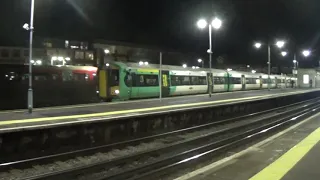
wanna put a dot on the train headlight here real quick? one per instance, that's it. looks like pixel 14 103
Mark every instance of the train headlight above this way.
pixel 117 91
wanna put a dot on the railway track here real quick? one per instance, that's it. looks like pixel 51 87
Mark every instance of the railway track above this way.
pixel 178 148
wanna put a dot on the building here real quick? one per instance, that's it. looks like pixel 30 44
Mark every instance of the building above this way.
pixel 49 52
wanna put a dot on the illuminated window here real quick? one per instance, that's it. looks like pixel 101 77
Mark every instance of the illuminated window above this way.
pixel 305 79
pixel 89 55
pixel 79 55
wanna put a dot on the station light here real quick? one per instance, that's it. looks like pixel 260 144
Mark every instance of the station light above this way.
pixel 257 45
pixel 253 71
pixel 146 63
pixel 199 60
pixel 107 51
pixel 229 69
pixel 141 63
pixel 107 64
pixel 117 91
pixel 216 23
pixel 54 58
pixel 284 53
pixel 306 53
pixel 197 67
pixel 193 67
pixel 184 65
pixel 32 61
pixel 248 66
pixel 67 59
pixel 280 44
pixel 202 23
pixel 294 61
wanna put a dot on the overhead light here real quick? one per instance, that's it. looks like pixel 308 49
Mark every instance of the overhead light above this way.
pixel 248 66
pixel 280 44
pixel 32 61
pixel 39 62
pixel 140 63
pixel 54 58
pixel 107 51
pixel 202 23
pixel 184 65
pixel 229 69
pixel 284 53
pixel 306 53
pixel 146 63
pixel 193 67
pixel 107 64
pixel 199 60
pixel 197 67
pixel 26 26
pixel 253 71
pixel 216 23
pixel 257 45
pixel 67 59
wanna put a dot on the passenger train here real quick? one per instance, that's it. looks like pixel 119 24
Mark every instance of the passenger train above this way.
pixel 124 81
pixel 66 85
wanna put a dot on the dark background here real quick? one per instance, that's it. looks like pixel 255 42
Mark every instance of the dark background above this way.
pixel 171 24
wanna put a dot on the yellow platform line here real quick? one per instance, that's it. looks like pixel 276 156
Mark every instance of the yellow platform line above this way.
pixel 34 120
pixel 281 166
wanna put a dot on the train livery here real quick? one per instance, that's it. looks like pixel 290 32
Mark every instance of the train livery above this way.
pixel 124 81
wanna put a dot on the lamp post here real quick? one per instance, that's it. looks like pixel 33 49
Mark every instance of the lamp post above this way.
pixel 30 28
pixel 216 24
pixel 279 44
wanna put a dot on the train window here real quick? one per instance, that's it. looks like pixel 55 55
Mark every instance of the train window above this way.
pixel 114 77
pixel 196 80
pixel 16 53
pixel 234 80
pixel 252 81
pixel 151 80
pixel 80 77
pixel 202 80
pixel 40 77
pixel 185 80
pixel 4 53
pixel 218 80
pixel 128 80
pixel 175 81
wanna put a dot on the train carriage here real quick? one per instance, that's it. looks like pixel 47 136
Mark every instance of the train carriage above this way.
pixel 220 80
pixel 252 81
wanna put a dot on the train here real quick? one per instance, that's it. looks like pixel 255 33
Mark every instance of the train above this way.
pixel 52 85
pixel 120 81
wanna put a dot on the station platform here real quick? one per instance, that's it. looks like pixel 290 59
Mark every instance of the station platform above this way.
pixel 57 116
pixel 292 154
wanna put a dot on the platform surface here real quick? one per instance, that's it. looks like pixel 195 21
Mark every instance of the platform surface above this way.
pixel 293 154
pixel 10 120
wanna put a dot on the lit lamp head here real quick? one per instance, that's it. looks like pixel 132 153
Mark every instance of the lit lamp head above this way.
pixel 202 23
pixel 257 45
pixel 216 23
pixel 280 44
pixel 306 53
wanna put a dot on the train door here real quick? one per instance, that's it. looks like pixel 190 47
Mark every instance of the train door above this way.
pixel 243 82
pixel 104 92
pixel 108 83
pixel 165 87
pixel 210 82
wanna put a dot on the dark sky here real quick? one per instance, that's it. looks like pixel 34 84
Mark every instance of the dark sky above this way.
pixel 170 24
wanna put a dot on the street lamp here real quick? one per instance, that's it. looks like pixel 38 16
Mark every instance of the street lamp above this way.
pixel 284 53
pixel 279 44
pixel 216 24
pixel 306 53
pixel 184 65
pixel 30 28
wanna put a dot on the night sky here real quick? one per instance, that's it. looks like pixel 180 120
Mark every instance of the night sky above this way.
pixel 171 24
